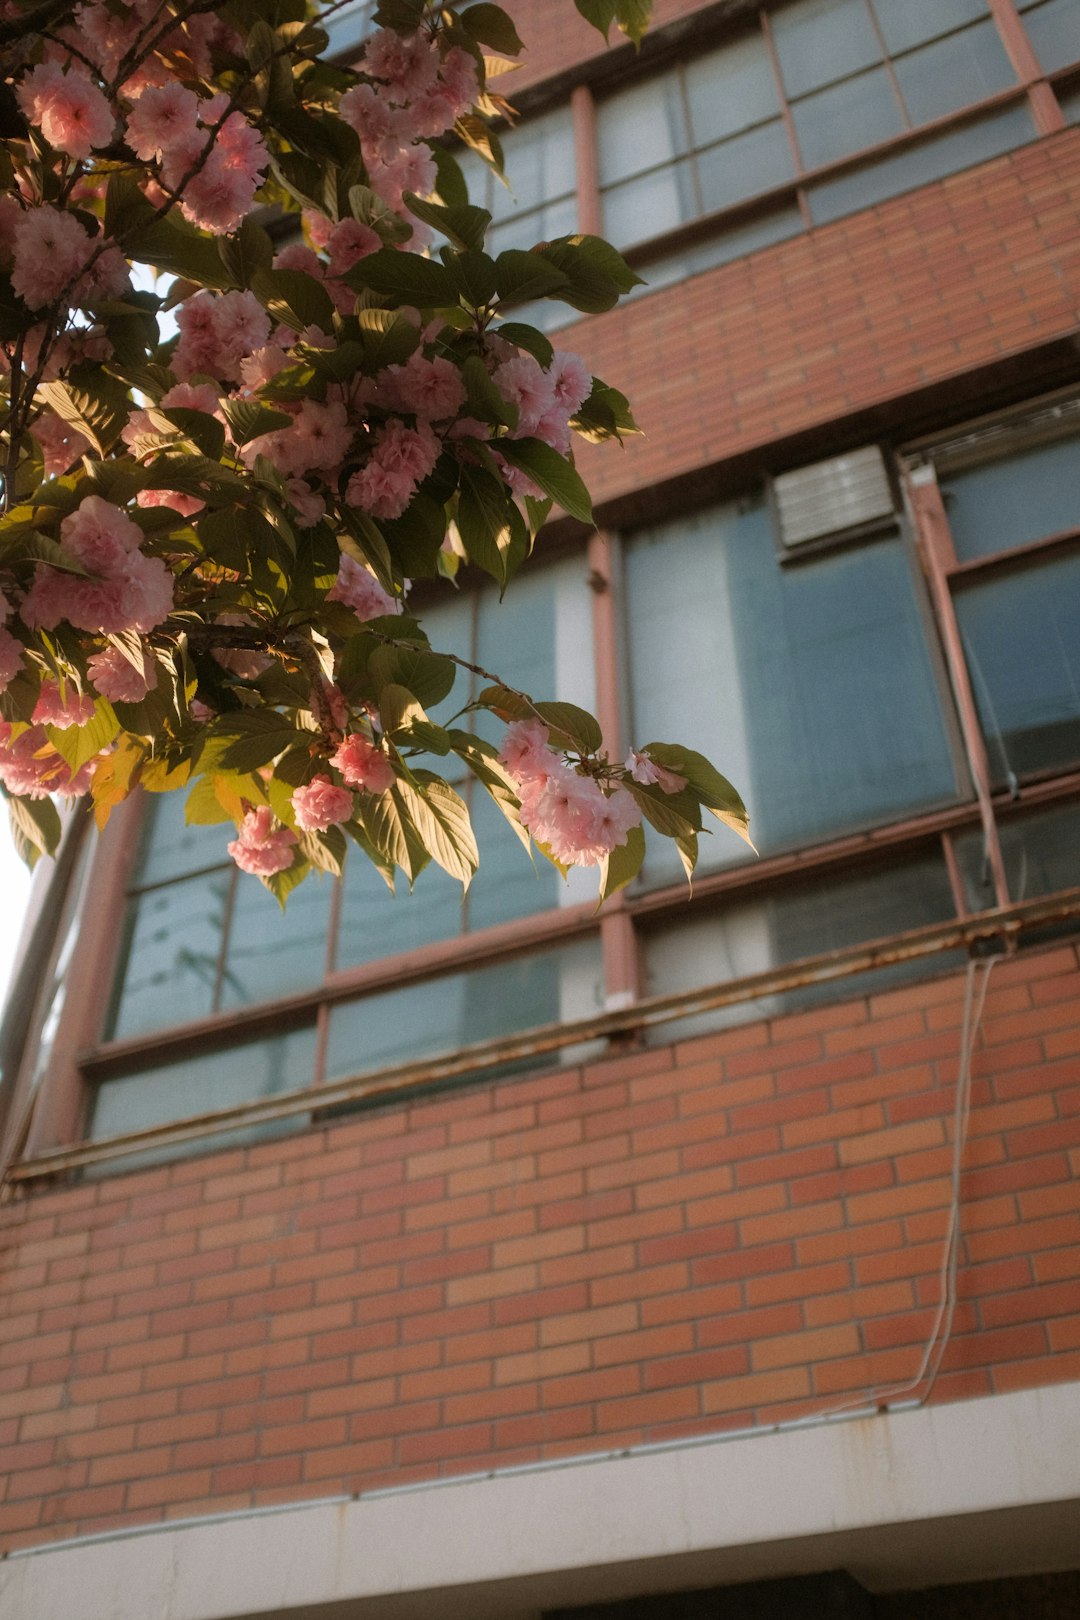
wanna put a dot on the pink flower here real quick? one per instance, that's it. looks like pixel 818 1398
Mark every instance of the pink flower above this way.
pixel 103 37
pixel 307 503
pixel 222 192
pixel 260 848
pixel 164 117
pixel 62 709
pixel 408 63
pixel 361 591
pixel 60 443
pixel 11 658
pixel 218 332
pixel 350 242
pixel 383 130
pixel 410 170
pixel 321 804
pixel 51 249
pixel 363 765
pixel 69 109
pixel 99 535
pixel 32 769
pixel 649 773
pixel 523 382
pixel 174 499
pixel 117 679
pixel 525 751
pixel 428 388
pixel 571 381
pixel 401 459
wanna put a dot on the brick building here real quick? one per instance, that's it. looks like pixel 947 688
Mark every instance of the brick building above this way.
pixel 738 1255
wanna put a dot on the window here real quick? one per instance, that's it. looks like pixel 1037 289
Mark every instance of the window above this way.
pixel 1011 494
pixel 817 683
pixel 813 683
pixel 349 24
pixel 538 201
pixel 775 116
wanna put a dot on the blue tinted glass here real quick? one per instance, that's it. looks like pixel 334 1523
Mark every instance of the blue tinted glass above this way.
pixel 855 113
pixel 199 1085
pixel 913 22
pixel 819 41
pixel 1007 503
pixel 810 686
pixel 459 1009
pixel 273 952
pixel 808 918
pixel 954 72
pixel 1054 30
pixel 169 848
pixel 743 165
pixel 1041 854
pixel 1023 649
pixel 929 160
pixel 169 964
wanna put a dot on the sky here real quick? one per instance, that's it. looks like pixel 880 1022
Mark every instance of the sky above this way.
pixel 14 891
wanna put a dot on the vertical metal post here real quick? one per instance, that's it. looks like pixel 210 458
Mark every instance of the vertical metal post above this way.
pixel 583 112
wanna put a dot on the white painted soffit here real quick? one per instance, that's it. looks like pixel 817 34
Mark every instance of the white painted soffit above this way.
pixel 973 1490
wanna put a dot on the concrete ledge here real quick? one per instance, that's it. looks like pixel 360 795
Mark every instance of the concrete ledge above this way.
pixel 974 1490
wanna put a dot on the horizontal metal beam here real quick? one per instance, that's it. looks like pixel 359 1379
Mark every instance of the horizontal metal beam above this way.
pixel 1003 924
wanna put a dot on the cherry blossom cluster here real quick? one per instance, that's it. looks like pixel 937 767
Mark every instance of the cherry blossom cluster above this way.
pixel 567 812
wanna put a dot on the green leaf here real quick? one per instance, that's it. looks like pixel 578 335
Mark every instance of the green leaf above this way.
pixel 415 539
pixel 404 720
pixel 622 865
pixel 605 414
pixel 35 827
pixel 428 675
pixel 490 525
pixel 483 762
pixel 601 13
pixel 203 430
pixel 676 815
pixel 247 253
pixel 364 542
pixel 489 25
pixel 386 339
pixel 255 737
pixel 688 853
pixel 92 401
pixel 172 245
pixel 527 338
pixel 570 727
pixel 295 298
pixel 551 472
pixel 461 223
pixel 633 18
pixel 473 274
pixel 483 398
pixel 282 884
pixel 450 182
pixel 406 278
pixel 386 822
pixel 714 791
pixel 441 819
pixel 78 744
pixel 596 274
pixel 520 277
pixel 203 808
pixel 248 419
pixel 481 138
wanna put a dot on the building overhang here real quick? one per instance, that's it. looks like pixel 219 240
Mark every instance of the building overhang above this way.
pixel 902 1499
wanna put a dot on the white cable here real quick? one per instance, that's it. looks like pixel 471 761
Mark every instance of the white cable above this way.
pixel 947 1274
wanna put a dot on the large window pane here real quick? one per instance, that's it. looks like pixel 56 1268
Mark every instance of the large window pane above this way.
pixel 1041 852
pixel 168 968
pixel 199 1085
pixel 730 89
pixel 954 72
pixel 810 686
pixel 1054 29
pixel 1009 502
pixel 440 1015
pixel 918 165
pixel 1023 648
pixel 803 919
pixel 819 41
pixel 912 22
pixel 855 113
pixel 169 848
pixel 640 127
pixel 646 207
pixel 273 952
pixel 744 165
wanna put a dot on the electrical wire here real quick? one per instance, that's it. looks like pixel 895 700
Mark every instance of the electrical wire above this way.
pixel 941 1331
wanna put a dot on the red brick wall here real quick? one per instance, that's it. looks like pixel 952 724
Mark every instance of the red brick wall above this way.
pixel 741 1228
pixel 910 293
pixel 557 38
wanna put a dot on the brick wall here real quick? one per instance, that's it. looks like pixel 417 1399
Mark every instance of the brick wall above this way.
pixel 903 296
pixel 741 1228
pixel 557 39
